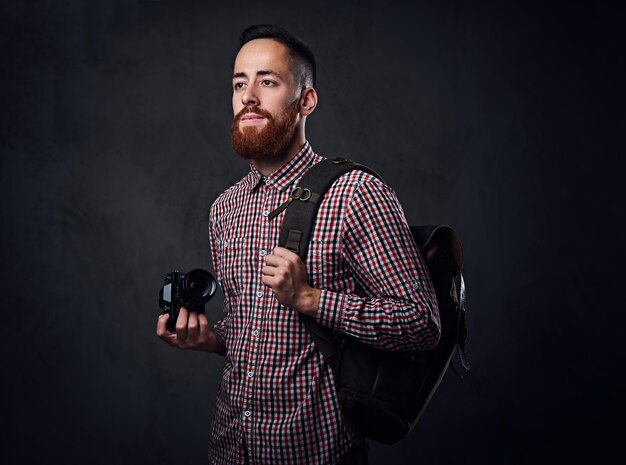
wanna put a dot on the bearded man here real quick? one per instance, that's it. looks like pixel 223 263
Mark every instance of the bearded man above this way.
pixel 277 402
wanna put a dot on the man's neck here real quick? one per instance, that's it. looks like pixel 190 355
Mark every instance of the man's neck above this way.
pixel 267 167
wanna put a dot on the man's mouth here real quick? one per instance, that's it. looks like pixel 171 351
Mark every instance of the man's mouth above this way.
pixel 251 117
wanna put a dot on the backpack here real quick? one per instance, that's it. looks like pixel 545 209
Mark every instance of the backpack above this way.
pixel 383 392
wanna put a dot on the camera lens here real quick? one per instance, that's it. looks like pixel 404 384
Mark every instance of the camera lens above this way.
pixel 199 286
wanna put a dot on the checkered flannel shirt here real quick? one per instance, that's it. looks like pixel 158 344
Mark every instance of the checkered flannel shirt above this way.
pixel 277 398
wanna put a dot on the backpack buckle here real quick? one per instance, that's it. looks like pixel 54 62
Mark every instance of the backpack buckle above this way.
pixel 303 196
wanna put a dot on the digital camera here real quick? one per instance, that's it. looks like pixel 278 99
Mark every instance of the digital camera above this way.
pixel 190 290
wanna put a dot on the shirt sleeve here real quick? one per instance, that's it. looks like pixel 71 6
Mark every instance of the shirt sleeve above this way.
pixel 221 326
pixel 395 307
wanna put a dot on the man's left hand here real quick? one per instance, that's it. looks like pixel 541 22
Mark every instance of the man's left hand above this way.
pixel 286 274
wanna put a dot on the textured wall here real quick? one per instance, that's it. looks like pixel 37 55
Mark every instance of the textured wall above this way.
pixel 498 119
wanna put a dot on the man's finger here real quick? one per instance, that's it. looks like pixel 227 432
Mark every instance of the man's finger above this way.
pixel 162 324
pixel 163 332
pixel 274 260
pixel 171 339
pixel 192 325
pixel 203 323
pixel 283 252
pixel 268 271
pixel 287 257
pixel 181 324
pixel 269 281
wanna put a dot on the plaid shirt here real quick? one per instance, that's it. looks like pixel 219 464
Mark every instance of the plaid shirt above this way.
pixel 278 395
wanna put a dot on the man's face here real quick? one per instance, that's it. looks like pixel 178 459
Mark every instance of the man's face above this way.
pixel 265 100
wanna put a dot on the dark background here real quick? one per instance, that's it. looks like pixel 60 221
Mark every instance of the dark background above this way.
pixel 502 119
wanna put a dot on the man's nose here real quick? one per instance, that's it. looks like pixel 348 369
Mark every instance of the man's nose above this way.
pixel 249 97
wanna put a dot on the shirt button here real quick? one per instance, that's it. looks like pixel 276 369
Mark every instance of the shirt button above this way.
pixel 263 252
pixel 259 294
pixel 225 243
pixel 247 413
pixel 255 333
pixel 250 374
pixel 266 213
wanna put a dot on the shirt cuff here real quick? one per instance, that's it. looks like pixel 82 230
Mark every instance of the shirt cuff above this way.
pixel 221 333
pixel 331 308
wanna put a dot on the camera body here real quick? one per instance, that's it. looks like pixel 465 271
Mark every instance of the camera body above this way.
pixel 190 290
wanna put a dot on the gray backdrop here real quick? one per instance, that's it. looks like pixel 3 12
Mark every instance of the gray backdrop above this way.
pixel 501 119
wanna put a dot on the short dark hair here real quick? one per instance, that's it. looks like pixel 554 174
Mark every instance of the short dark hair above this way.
pixel 298 50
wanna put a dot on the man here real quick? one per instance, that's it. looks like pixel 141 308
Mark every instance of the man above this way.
pixel 277 402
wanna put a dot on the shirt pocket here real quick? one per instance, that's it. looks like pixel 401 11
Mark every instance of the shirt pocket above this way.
pixel 232 263
pixel 318 263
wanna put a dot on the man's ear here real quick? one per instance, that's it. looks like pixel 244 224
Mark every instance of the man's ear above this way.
pixel 308 101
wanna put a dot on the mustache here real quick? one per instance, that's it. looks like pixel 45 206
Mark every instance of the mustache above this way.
pixel 256 110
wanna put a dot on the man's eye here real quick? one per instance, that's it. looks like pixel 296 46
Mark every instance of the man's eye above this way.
pixel 267 82
pixel 238 85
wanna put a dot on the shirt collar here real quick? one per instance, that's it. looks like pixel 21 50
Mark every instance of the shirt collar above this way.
pixel 287 174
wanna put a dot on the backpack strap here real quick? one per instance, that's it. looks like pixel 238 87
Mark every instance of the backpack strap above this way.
pixel 298 222
pixel 300 213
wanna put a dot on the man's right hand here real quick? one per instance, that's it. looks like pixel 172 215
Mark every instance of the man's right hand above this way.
pixel 192 332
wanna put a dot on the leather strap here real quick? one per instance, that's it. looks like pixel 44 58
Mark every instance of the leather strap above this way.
pixel 300 212
pixel 308 195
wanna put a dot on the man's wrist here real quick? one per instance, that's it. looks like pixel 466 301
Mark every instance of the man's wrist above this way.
pixel 310 302
pixel 214 343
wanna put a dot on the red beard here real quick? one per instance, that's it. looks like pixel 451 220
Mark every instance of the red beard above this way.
pixel 269 142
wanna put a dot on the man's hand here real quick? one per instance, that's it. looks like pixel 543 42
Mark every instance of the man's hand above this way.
pixel 192 332
pixel 286 275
